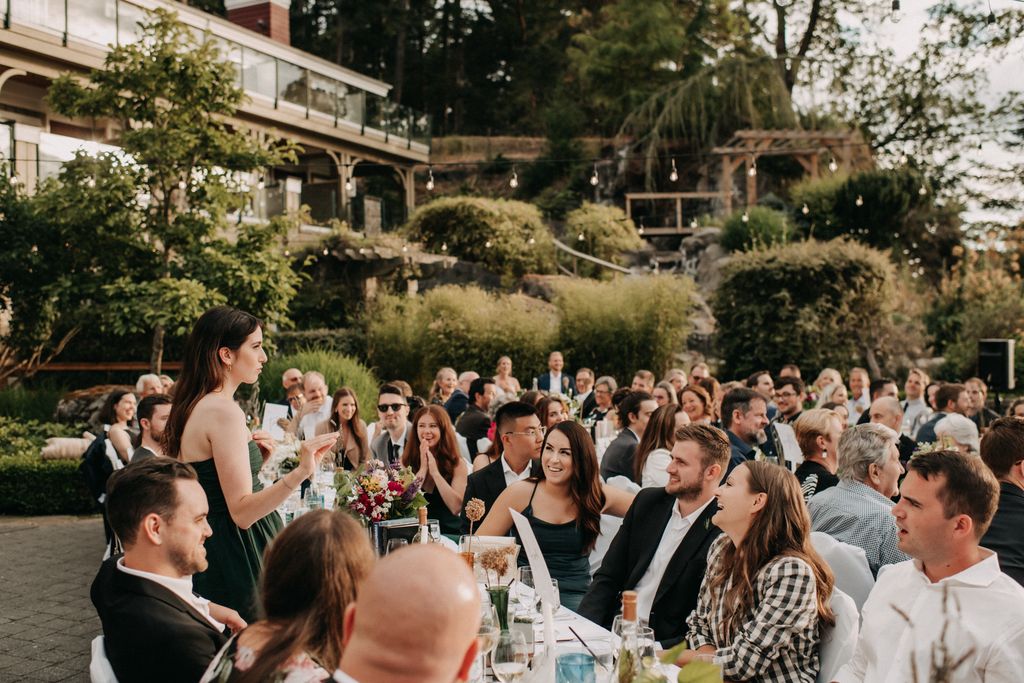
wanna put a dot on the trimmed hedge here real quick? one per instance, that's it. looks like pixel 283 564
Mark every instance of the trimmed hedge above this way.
pixel 818 303
pixel 492 232
pixel 31 486
pixel 606 232
pixel 338 370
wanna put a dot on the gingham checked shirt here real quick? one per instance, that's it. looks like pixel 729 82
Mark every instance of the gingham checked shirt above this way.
pixel 778 640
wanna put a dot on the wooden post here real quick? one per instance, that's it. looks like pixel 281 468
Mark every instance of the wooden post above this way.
pixel 751 181
pixel 679 214
pixel 726 184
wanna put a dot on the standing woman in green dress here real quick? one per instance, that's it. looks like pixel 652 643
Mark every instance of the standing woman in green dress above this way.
pixel 206 429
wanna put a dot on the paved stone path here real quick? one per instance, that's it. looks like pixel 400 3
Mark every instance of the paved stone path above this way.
pixel 46 618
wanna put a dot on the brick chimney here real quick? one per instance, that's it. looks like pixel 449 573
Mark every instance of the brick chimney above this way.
pixel 269 17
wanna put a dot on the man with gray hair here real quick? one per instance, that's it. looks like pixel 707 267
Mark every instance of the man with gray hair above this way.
pixel 858 510
pixel 147 385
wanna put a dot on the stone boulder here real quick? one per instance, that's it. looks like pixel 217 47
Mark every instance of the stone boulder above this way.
pixel 84 405
pixel 702 258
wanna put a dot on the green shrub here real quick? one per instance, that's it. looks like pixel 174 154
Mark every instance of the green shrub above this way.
pixel 818 303
pixel 347 341
pixel 621 326
pixel 494 232
pixel 31 486
pixel 28 436
pixel 606 233
pixel 763 228
pixel 338 370
pixel 466 328
pixel 30 404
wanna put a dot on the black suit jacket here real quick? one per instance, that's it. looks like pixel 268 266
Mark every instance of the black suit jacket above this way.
pixel 1003 536
pixel 589 405
pixel 456 404
pixel 487 485
pixel 618 458
pixel 630 554
pixel 149 633
pixel 474 425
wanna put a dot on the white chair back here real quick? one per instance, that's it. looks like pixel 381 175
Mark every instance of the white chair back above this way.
pixel 848 563
pixel 100 670
pixel 609 527
pixel 838 642
pixel 624 483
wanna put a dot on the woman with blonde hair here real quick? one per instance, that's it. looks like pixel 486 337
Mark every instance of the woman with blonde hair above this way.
pixel 765 596
pixel 834 392
pixel 664 393
pixel 445 382
pixel 507 386
pixel 817 433
pixel 311 573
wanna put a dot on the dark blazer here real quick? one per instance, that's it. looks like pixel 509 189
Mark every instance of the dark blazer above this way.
pixel 544 381
pixel 473 424
pixel 618 458
pixel 926 432
pixel 1004 536
pixel 740 452
pixel 906 447
pixel 456 404
pixel 630 554
pixel 589 405
pixel 487 485
pixel 149 633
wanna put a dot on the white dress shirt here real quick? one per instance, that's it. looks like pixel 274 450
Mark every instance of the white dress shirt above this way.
pixel 856 406
pixel 307 425
pixel 554 383
pixel 673 535
pixel 915 414
pixel 654 473
pixel 180 587
pixel 983 620
pixel 511 476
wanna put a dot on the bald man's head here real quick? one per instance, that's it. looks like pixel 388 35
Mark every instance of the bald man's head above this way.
pixel 887 411
pixel 434 640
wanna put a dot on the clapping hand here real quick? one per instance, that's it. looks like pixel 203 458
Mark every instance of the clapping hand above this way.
pixel 265 442
pixel 428 463
pixel 312 450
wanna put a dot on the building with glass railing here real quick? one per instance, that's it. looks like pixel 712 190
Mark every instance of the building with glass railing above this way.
pixel 360 148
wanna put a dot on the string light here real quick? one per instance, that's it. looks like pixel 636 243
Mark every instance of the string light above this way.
pixel 444 246
pixel 405 248
pixel 287 252
pixel 487 244
pixel 326 251
pixel 514 181
pixel 594 180
pixel 531 241
pixel 896 14
pixel 430 179
pixel 923 191
pixel 15 179
pixel 693 223
pixel 580 237
pixel 181 185
pixel 805 210
pixel 833 165
pixel 348 183
pixel 860 201
pixel 673 176
pixel 640 230
pixel 752 171
pixel 745 217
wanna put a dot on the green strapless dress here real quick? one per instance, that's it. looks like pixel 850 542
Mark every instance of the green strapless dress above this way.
pixel 235 555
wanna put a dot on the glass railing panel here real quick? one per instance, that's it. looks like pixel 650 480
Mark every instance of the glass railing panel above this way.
pixel 93 20
pixel 47 15
pixel 421 128
pixel 291 83
pixel 259 73
pixel 231 53
pixel 352 105
pixel 323 94
pixel 129 23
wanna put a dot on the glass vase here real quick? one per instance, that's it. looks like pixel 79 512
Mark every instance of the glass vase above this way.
pixel 499 598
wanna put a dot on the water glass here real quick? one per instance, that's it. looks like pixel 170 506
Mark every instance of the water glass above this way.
pixel 647 648
pixel 525 589
pixel 575 667
pixel 396 544
pixel 487 635
pixel 510 658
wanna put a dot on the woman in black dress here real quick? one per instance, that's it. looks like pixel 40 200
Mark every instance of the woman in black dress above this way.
pixel 433 454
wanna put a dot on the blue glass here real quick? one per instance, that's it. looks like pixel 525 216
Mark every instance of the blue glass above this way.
pixel 575 667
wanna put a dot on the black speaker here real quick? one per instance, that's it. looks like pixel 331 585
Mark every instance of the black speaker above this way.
pixel 995 363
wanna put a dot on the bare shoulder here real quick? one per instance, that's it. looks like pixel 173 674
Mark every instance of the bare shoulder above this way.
pixel 519 491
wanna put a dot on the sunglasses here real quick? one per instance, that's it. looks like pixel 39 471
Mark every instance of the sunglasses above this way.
pixel 394 407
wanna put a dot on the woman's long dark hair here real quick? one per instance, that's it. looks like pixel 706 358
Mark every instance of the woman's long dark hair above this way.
pixel 585 486
pixel 202 370
pixel 354 425
pixel 108 415
pixel 310 575
pixel 659 433
pixel 782 527
pixel 447 450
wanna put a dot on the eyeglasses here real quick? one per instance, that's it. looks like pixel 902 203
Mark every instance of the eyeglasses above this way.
pixel 785 394
pixel 532 433
pixel 394 407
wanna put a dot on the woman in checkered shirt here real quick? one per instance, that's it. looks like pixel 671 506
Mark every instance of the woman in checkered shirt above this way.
pixel 766 592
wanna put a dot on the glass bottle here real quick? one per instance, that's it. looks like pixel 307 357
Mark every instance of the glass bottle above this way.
pixel 628 665
pixel 423 534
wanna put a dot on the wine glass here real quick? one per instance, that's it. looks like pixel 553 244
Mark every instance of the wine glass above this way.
pixel 525 589
pixel 396 544
pixel 510 657
pixel 646 647
pixel 487 635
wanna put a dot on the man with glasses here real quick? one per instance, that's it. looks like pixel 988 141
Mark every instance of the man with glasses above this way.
pixel 393 416
pixel 603 390
pixel 521 436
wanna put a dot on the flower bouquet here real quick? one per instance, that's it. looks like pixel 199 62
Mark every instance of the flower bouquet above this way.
pixel 375 492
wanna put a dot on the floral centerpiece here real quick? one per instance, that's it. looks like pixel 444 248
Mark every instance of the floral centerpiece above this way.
pixel 375 492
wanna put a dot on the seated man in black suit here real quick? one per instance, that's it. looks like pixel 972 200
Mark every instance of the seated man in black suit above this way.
pixel 1002 449
pixel 521 436
pixel 392 425
pixel 155 628
pixel 661 549
pixel 634 413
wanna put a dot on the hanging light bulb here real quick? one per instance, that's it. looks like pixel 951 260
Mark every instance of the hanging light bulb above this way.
pixel 430 179
pixel 860 201
pixel 594 179
pixel 693 223
pixel 580 237
pixel 805 210
pixel 923 191
pixel 181 185
pixel 531 241
pixel 348 185
pixel 487 244
pixel 833 165
pixel 896 14
pixel 15 179
pixel 752 171
pixel 640 230
pixel 745 217
pixel 287 252
pixel 405 248
pixel 673 175
pixel 326 251
pixel 444 246
pixel 514 180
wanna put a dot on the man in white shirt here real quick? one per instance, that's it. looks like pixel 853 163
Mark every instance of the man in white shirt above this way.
pixel 661 548
pixel 155 627
pixel 554 381
pixel 915 408
pixel 860 397
pixel 950 605
pixel 434 638
pixel 317 408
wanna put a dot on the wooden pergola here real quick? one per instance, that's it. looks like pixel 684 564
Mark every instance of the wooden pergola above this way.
pixel 847 148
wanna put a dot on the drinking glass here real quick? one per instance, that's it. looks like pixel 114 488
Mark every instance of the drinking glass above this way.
pixel 510 657
pixel 487 635
pixel 647 647
pixel 525 589
pixel 396 543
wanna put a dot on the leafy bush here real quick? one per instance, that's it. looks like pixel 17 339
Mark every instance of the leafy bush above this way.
pixel 31 486
pixel 606 232
pixel 818 303
pixel 621 326
pixel 337 369
pixel 347 341
pixel 462 327
pixel 30 404
pixel 28 436
pixel 763 228
pixel 494 232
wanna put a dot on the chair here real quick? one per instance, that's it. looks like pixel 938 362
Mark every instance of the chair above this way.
pixel 838 642
pixel 848 563
pixel 100 670
pixel 609 527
